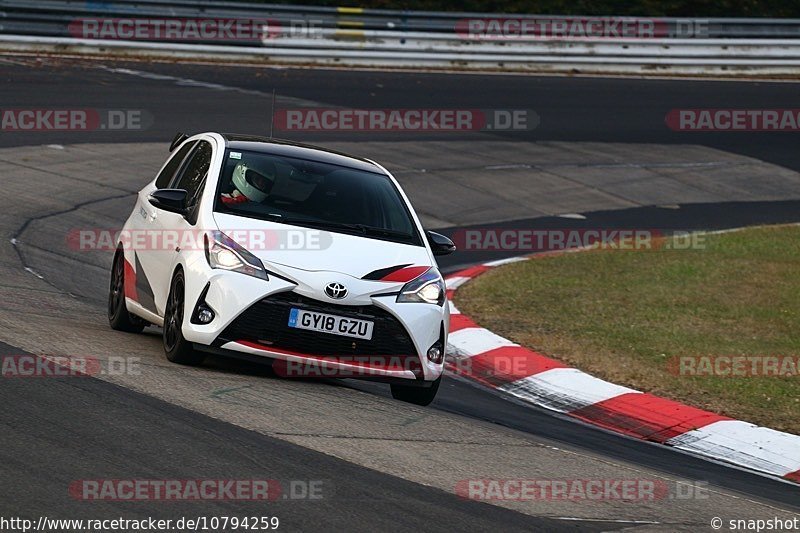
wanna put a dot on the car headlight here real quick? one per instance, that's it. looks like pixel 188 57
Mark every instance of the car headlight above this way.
pixel 427 288
pixel 223 252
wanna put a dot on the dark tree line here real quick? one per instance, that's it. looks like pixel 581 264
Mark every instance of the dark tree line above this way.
pixel 644 8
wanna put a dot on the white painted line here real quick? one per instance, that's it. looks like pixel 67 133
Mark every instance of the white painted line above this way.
pixel 609 520
pixel 285 101
pixel 455 282
pixel 507 167
pixel 744 444
pixel 506 261
pixel 473 341
pixel 564 389
pixel 453 309
pixel 32 271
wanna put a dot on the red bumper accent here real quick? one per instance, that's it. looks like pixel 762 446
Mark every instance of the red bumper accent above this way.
pixel 385 363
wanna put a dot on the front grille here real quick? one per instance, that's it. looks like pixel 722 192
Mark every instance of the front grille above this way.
pixel 266 322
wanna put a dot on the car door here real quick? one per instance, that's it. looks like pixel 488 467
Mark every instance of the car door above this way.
pixel 171 228
pixel 142 248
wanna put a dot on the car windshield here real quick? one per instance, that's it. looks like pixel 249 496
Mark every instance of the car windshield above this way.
pixel 313 194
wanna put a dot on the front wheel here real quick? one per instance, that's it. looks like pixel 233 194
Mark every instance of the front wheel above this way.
pixel 119 318
pixel 416 395
pixel 177 349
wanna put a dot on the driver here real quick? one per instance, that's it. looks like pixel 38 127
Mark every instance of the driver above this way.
pixel 250 185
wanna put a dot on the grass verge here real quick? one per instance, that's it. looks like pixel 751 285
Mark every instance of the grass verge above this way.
pixel 627 316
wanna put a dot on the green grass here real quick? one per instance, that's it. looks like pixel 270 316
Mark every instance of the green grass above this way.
pixel 621 315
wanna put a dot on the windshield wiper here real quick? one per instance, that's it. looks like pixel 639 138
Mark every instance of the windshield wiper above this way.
pixel 361 228
pixel 374 230
pixel 320 223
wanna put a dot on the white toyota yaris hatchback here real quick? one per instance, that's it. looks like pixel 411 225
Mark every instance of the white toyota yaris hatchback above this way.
pixel 307 258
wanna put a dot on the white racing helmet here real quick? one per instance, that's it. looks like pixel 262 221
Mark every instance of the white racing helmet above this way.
pixel 254 184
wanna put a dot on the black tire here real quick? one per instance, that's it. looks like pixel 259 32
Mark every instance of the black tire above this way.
pixel 416 395
pixel 119 318
pixel 177 349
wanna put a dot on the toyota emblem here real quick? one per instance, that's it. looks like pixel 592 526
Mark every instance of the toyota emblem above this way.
pixel 337 291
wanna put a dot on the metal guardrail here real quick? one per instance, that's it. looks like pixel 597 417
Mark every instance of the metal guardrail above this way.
pixel 354 36
pixel 370 19
pixel 53 14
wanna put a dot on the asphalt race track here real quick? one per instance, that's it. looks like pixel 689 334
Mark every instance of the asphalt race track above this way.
pixel 382 464
pixel 237 99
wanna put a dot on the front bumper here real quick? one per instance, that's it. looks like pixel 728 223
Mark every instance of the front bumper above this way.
pixel 251 317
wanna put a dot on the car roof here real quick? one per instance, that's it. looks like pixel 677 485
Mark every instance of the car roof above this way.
pixel 297 150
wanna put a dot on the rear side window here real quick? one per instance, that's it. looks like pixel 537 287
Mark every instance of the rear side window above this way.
pixel 168 172
pixel 195 170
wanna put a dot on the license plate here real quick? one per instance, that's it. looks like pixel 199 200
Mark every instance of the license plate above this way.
pixel 335 325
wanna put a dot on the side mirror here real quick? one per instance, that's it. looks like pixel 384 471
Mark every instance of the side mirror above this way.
pixel 440 245
pixel 172 200
pixel 177 140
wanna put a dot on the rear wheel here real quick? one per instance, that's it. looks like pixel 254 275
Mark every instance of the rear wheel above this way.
pixel 119 317
pixel 416 395
pixel 177 349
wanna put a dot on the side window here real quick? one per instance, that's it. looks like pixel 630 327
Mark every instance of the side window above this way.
pixel 194 171
pixel 168 172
